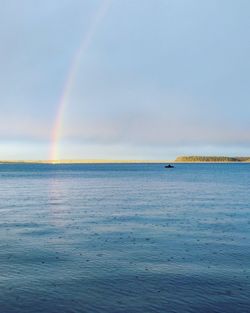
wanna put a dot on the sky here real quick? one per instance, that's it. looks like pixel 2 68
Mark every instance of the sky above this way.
pixel 156 79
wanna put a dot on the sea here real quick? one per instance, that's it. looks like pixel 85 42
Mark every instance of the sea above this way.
pixel 124 238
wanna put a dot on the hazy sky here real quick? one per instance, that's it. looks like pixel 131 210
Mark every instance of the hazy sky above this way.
pixel 159 78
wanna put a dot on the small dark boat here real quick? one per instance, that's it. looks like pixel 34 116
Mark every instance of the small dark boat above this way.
pixel 169 166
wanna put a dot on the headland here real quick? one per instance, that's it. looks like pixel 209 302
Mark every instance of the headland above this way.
pixel 179 159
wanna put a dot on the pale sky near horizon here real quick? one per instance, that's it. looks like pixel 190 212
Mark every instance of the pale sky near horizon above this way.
pixel 160 78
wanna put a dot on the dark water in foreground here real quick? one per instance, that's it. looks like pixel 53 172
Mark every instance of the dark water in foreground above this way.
pixel 125 238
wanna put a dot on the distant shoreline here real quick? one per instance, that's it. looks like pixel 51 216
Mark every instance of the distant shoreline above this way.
pixel 180 159
pixel 86 162
pixel 212 159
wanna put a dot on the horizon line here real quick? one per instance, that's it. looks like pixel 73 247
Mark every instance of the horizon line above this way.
pixel 116 161
pixel 86 161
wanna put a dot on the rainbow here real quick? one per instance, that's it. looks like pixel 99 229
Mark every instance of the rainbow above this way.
pixel 70 80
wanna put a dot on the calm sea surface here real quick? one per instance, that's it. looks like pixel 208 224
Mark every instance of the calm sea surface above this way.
pixel 125 238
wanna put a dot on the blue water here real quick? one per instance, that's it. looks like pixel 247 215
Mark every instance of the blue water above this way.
pixel 125 238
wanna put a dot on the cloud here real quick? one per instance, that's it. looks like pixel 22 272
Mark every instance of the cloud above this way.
pixel 24 128
pixel 179 80
pixel 151 117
